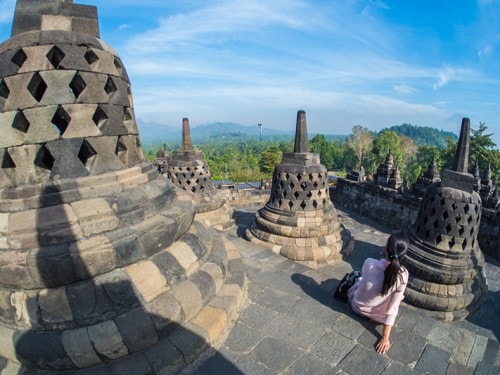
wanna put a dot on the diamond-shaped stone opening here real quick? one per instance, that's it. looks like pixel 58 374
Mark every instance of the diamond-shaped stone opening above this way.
pixel 296 194
pixel 320 193
pixel 19 57
pixel 292 185
pixel 445 215
pixel 311 177
pixel 284 194
pixel 100 117
pixel 435 224
pixel 4 89
pixel 303 186
pixel 61 120
pixel 471 232
pixel 110 86
pixel 290 205
pixel 127 116
pixel 188 169
pixel 37 87
pixel 448 228
pixel 91 57
pixel 299 177
pixel 309 194
pixel 120 146
pixel 6 161
pixel 55 56
pixel 118 65
pixel 21 123
pixel 464 244
pixel 439 239
pixel 454 206
pixel 324 202
pixel 193 189
pixel 44 159
pixel 315 185
pixel 469 219
pixel 442 202
pixel 451 243
pixel 77 85
pixel 303 205
pixel 466 209
pixel 315 204
pixel 188 182
pixel 458 219
pixel 461 231
pixel 86 152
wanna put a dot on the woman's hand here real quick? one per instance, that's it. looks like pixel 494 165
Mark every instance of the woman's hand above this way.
pixel 384 344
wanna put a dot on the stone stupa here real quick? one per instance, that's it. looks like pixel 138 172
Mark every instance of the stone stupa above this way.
pixel 444 258
pixel 188 170
pixel 300 221
pixel 102 268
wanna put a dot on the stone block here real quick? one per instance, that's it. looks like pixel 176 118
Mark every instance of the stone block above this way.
pixel 191 341
pixel 26 22
pixel 81 122
pixel 95 216
pixel 137 329
pixel 10 136
pixel 55 80
pixel 79 348
pixel 66 161
pixel 166 314
pixel 184 256
pixel 42 349
pixel 53 22
pixel 106 340
pixel 213 321
pixel 165 357
pixel 92 257
pixel 147 279
pixel 41 128
pixel 13 269
pixel 54 306
pixel 189 297
pixel 205 285
pixel 170 268
pixel 36 59
pixel 105 159
pixel 110 119
pixel 94 90
pixel 215 273
pixel 155 234
pixel 118 288
pixel 51 266
pixel 57 224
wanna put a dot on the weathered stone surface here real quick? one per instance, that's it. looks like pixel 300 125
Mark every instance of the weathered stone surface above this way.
pixel 107 341
pixel 79 348
pixel 137 329
pixel 147 279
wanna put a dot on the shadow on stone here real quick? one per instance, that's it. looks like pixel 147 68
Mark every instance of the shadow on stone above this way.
pixel 79 323
pixel 244 220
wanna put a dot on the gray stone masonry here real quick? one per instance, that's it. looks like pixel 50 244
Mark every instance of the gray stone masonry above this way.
pixel 292 325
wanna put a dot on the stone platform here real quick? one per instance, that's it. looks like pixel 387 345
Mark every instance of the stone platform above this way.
pixel 292 325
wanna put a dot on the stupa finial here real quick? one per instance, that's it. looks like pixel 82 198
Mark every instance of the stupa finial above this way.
pixel 461 163
pixel 186 135
pixel 301 141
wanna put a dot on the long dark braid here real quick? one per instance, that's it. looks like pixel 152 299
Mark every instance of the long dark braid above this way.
pixel 396 248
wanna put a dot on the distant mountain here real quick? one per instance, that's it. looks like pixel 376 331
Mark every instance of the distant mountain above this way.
pixel 156 132
pixel 423 135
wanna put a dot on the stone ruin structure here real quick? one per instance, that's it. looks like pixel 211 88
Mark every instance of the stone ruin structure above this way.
pixel 189 171
pixel 487 191
pixel 387 174
pixel 426 179
pixel 102 268
pixel 300 221
pixel 444 258
pixel 357 176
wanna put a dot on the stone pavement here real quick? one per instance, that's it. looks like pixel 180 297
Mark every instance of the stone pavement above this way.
pixel 292 325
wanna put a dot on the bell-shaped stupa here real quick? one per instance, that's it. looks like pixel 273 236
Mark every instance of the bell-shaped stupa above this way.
pixel 300 221
pixel 189 171
pixel 444 258
pixel 102 268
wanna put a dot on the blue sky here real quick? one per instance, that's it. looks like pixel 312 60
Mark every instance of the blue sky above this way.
pixel 376 63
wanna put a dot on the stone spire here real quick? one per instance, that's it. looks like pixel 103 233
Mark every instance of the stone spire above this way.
pixel 186 136
pixel 300 221
pixel 301 140
pixel 461 162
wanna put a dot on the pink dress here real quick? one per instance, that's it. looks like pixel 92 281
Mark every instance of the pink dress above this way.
pixel 364 295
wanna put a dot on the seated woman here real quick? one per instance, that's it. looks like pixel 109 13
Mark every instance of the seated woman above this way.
pixel 378 293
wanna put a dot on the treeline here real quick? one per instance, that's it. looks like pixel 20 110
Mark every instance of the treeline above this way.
pixel 252 160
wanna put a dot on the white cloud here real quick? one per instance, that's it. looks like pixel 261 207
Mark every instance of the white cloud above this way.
pixel 405 89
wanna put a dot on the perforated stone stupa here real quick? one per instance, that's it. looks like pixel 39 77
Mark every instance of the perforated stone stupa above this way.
pixel 102 268
pixel 300 221
pixel 444 258
pixel 189 171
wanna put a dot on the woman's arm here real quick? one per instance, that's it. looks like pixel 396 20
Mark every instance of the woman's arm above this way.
pixel 384 344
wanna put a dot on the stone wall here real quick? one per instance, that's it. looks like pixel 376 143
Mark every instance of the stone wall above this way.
pixel 243 197
pixel 399 210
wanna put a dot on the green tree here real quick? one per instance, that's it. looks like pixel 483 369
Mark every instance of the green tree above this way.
pixel 361 141
pixel 320 145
